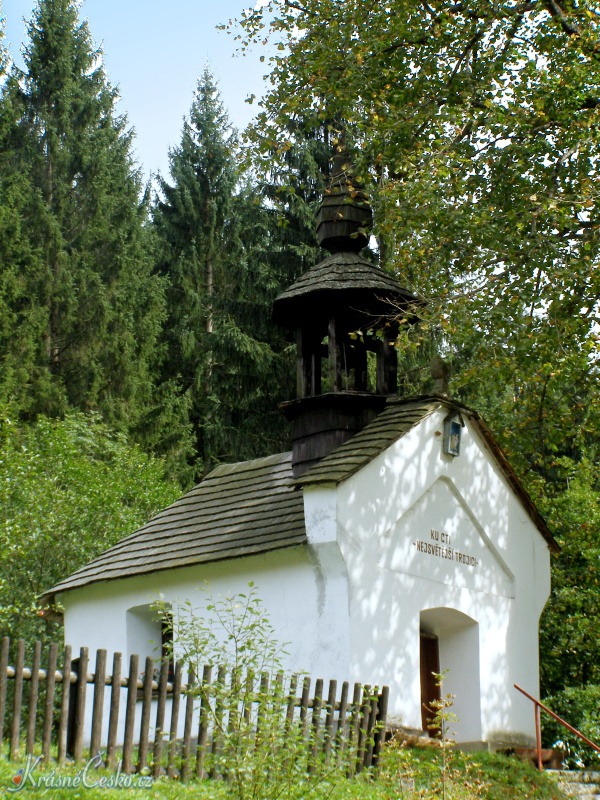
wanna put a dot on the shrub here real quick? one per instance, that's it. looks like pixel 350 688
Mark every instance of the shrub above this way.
pixel 580 707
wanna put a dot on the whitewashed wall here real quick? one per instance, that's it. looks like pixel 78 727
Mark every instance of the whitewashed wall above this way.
pixel 485 612
pixel 303 590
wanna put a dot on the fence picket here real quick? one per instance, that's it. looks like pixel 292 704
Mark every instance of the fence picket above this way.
pixel 279 700
pixel 354 730
pixel 248 699
pixel 64 706
pixel 203 723
pixel 113 719
pixel 304 700
pixel 341 735
pixel 17 701
pixel 132 687
pixel 381 718
pixel 34 686
pixel 364 712
pixel 219 712
pixel 370 728
pixel 316 725
pixel 49 704
pixel 187 729
pixel 98 702
pixel 328 740
pixel 292 702
pixel 263 691
pixel 233 710
pixel 146 708
pixel 175 703
pixel 160 717
pixel 78 712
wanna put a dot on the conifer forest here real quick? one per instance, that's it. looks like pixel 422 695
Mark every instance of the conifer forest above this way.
pixel 136 342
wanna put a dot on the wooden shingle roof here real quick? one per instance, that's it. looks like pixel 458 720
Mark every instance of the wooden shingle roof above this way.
pixel 346 273
pixel 342 271
pixel 237 510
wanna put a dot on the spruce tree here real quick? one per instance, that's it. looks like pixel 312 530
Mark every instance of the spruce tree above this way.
pixel 88 287
pixel 214 237
pixel 293 181
pixel 20 326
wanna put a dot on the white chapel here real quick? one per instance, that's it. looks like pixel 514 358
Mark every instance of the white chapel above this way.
pixel 394 540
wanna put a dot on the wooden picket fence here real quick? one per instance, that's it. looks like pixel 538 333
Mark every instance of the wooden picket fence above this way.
pixel 43 711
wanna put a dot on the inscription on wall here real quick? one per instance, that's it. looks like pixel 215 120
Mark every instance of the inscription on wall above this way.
pixel 440 546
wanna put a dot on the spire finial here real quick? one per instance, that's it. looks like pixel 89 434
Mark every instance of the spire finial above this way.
pixel 440 372
pixel 344 217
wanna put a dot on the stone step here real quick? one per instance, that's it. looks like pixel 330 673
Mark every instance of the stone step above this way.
pixel 580 783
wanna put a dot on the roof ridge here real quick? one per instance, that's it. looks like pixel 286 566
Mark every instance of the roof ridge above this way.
pixel 396 400
pixel 274 458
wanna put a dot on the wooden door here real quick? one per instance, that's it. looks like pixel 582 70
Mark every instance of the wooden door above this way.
pixel 430 667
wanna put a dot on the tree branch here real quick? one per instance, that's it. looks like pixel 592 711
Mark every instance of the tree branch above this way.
pixel 555 10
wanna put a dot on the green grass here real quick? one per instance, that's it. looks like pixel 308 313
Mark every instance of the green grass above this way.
pixel 405 774
pixel 465 776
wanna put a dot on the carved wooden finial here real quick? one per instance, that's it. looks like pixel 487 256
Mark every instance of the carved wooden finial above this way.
pixel 344 217
pixel 440 372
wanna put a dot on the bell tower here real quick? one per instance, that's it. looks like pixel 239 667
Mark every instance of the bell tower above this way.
pixel 342 311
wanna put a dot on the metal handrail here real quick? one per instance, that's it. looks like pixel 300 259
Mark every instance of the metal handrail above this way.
pixel 538 734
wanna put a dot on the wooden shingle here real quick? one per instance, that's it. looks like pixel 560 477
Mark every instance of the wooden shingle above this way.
pixel 345 276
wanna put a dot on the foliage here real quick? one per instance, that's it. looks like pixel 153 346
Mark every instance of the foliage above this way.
pixel 477 127
pixel 415 773
pixel 580 707
pixel 442 719
pixel 262 753
pixel 293 186
pixel 481 776
pixel 80 307
pixel 570 634
pixel 69 489
pixel 161 790
pixel 233 631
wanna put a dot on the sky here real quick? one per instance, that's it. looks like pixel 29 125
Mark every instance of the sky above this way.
pixel 154 52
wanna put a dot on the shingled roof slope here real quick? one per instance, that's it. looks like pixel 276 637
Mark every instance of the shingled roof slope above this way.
pixel 237 510
pixel 341 271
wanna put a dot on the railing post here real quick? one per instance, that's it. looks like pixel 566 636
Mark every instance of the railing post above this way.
pixel 538 736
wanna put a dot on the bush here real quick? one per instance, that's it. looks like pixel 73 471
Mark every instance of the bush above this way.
pixel 580 707
pixel 69 489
